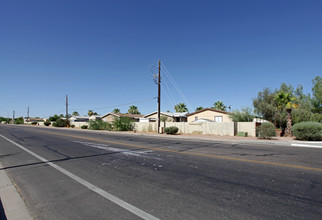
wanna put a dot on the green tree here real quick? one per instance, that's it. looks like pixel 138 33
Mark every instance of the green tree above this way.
pixel 116 110
pixel 75 113
pixel 163 118
pixel 19 120
pixel 54 118
pixel 317 94
pixel 199 108
pixel 219 105
pixel 264 107
pixel 245 115
pixel 133 110
pixel 285 101
pixel 181 107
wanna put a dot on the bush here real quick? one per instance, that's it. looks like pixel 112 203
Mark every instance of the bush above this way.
pixel 122 124
pixel 19 121
pixel 34 122
pixel 316 117
pixel 171 130
pixel 47 123
pixel 99 125
pixel 84 127
pixel 73 126
pixel 308 131
pixel 266 131
pixel 60 123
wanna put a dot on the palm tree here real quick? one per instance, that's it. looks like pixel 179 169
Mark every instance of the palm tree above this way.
pixel 90 113
pixel 285 101
pixel 199 108
pixel 219 105
pixel 163 118
pixel 181 107
pixel 116 110
pixel 75 113
pixel 133 110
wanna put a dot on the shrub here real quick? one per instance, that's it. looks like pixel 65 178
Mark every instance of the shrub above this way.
pixel 47 123
pixel 316 117
pixel 19 121
pixel 34 122
pixel 266 131
pixel 84 127
pixel 171 130
pixel 99 125
pixel 60 123
pixel 73 126
pixel 122 124
pixel 308 131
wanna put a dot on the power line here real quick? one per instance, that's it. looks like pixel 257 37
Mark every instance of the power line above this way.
pixel 166 94
pixel 113 106
pixel 175 85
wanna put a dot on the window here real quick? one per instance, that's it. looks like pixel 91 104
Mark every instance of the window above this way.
pixel 196 118
pixel 218 118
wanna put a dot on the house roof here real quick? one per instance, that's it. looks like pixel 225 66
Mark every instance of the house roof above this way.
pixel 95 116
pixel 207 109
pixel 170 114
pixel 123 115
pixel 79 117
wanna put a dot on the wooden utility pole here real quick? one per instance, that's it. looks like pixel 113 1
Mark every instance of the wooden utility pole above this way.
pixel 28 114
pixel 159 96
pixel 67 111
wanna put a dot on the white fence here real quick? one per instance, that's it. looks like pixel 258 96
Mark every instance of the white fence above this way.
pixel 79 124
pixel 206 128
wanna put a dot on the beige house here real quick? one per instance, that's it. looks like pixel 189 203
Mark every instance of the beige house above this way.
pixel 172 116
pixel 209 114
pixel 109 117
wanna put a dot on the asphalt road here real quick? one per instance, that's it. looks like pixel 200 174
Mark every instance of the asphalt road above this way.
pixel 68 174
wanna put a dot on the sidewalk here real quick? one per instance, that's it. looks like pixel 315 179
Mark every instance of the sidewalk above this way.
pixel 13 205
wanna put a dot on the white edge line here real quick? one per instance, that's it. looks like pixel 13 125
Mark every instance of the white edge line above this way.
pixel 123 204
pixel 306 145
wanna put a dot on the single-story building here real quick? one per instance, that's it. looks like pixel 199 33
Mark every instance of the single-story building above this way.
pixel 109 117
pixel 209 114
pixel 30 120
pixel 79 119
pixel 172 116
pixel 95 117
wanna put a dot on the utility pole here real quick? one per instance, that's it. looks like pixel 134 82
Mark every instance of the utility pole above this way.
pixel 28 114
pixel 159 96
pixel 67 111
pixel 13 117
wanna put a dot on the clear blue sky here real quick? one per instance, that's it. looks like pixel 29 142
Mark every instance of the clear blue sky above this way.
pixel 100 52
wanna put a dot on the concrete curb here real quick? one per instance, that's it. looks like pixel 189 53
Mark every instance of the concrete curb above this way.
pixel 13 205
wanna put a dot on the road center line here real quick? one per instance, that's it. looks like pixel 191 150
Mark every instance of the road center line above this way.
pixel 191 153
pixel 138 212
